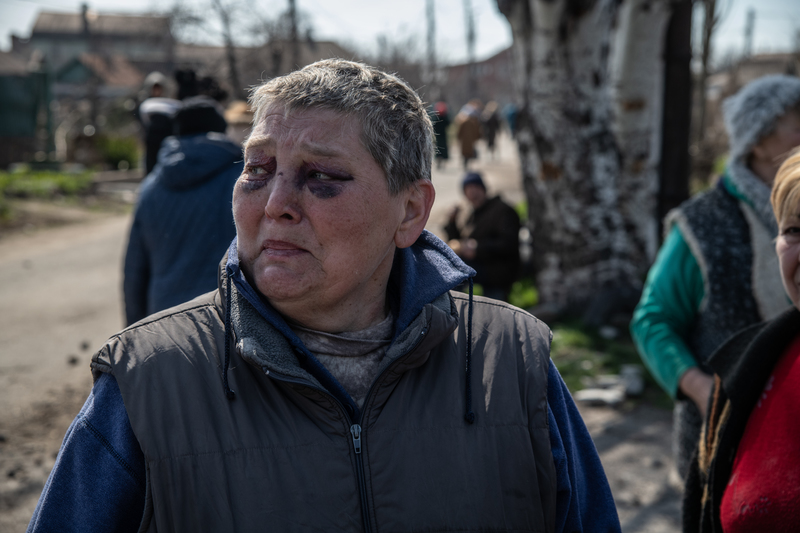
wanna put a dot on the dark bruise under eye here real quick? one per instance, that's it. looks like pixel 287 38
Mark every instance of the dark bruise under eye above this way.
pixel 325 190
pixel 249 184
pixel 257 171
pixel 323 183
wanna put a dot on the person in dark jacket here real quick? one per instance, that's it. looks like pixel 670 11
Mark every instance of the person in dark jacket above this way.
pixel 183 221
pixel 333 381
pixel 489 240
pixel 441 125
pixel 156 114
pixel 745 473
pixel 490 125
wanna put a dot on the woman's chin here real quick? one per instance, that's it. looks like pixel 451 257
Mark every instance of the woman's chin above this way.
pixel 279 284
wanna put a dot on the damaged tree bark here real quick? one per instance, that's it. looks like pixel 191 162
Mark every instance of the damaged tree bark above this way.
pixel 591 182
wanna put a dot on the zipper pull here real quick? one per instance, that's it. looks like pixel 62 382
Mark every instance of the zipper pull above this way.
pixel 355 429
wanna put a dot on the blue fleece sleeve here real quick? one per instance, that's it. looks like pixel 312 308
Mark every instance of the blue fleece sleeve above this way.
pixel 583 500
pixel 98 481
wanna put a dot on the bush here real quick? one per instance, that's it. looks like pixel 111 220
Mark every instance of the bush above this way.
pixel 45 184
pixel 114 150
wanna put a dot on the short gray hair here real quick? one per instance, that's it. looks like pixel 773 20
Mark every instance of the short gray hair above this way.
pixel 396 129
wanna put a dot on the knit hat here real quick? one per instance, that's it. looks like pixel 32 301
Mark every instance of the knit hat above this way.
pixel 473 178
pixel 750 114
pixel 199 114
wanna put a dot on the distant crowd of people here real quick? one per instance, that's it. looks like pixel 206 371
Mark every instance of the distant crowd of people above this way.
pixel 473 122
pixel 301 354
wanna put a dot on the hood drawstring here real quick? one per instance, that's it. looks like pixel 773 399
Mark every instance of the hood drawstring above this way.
pixel 228 391
pixel 469 416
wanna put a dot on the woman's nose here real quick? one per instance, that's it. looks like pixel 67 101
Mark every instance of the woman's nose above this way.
pixel 282 203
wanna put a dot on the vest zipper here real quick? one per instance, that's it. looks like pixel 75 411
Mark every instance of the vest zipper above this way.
pixel 355 430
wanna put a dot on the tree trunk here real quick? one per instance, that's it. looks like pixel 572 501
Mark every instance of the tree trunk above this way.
pixel 637 93
pixel 677 116
pixel 591 202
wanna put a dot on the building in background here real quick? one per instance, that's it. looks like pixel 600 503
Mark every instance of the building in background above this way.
pixel 145 41
pixel 25 120
pixel 95 64
pixel 493 79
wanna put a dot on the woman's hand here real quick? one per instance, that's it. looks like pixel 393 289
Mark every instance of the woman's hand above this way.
pixel 468 248
pixel 697 385
pixel 464 248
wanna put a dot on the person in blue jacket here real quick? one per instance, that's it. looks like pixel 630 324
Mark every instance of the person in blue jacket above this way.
pixel 334 380
pixel 183 222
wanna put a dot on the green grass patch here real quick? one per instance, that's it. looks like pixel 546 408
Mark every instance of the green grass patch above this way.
pixel 522 210
pixel 523 294
pixel 43 184
pixel 580 353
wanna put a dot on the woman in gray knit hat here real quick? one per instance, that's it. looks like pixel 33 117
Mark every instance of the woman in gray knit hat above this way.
pixel 716 272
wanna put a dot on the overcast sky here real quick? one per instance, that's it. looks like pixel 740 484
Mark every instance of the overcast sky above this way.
pixel 360 22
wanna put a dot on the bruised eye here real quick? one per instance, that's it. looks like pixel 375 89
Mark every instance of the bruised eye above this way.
pixel 322 176
pixel 259 168
pixel 325 184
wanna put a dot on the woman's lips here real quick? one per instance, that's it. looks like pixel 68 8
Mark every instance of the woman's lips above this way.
pixel 281 248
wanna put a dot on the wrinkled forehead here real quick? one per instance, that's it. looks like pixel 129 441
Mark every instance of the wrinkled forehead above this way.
pixel 316 129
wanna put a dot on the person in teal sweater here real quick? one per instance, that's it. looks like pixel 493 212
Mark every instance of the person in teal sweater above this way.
pixel 716 272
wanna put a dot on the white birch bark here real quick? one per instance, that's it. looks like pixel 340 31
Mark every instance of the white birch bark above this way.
pixel 585 244
pixel 637 83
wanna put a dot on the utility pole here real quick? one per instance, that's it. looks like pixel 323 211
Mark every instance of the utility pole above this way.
pixel 471 74
pixel 748 32
pixel 432 81
pixel 293 36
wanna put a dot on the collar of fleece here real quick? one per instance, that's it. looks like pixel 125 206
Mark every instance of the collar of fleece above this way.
pixel 740 182
pixel 420 274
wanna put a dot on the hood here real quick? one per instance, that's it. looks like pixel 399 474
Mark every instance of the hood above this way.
pixel 420 274
pixel 188 161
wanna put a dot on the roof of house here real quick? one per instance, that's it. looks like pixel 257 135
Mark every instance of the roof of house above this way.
pixel 106 24
pixel 12 64
pixel 114 71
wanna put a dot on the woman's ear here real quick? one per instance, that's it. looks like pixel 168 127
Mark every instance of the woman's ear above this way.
pixel 418 202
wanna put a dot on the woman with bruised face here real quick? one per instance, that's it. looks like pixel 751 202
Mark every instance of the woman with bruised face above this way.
pixel 745 475
pixel 333 381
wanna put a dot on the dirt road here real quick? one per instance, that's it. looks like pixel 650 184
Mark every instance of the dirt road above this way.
pixel 60 300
